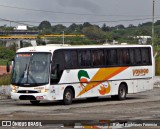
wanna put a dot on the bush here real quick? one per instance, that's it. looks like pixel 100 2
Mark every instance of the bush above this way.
pixel 5 79
pixel 6 53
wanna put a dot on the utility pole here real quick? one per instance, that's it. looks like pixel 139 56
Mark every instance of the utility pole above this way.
pixel 153 24
pixel 63 37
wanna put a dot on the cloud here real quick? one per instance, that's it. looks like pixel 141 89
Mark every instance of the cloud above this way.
pixel 86 5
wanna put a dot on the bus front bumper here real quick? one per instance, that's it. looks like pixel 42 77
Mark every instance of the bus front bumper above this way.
pixel 36 96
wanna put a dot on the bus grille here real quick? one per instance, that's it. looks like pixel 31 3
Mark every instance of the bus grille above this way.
pixel 27 91
pixel 27 97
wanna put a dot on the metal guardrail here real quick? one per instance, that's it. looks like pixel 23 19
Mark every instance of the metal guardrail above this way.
pixel 42 36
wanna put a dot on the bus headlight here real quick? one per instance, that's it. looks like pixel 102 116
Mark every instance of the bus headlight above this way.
pixel 14 88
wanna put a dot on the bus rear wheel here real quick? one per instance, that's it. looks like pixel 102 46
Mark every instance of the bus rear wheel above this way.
pixel 68 96
pixel 122 92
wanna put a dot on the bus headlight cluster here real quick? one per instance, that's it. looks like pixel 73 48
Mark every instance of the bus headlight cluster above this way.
pixel 14 88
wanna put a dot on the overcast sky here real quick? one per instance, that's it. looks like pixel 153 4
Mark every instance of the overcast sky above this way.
pixel 110 12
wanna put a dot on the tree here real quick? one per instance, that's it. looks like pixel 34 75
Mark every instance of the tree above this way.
pixel 120 27
pixel 105 28
pixel 157 22
pixel 74 28
pixel 6 53
pixel 146 24
pixel 94 33
pixel 131 26
pixel 58 28
pixel 86 24
pixel 45 27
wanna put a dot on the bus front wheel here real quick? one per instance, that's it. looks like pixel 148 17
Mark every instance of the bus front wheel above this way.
pixel 68 96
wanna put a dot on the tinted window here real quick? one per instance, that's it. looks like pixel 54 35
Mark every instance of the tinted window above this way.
pixel 145 55
pixel 57 66
pixel 126 56
pixel 98 57
pixel 84 58
pixel 58 58
pixel 138 55
pixel 107 57
pixel 70 57
pixel 112 58
pixel 132 59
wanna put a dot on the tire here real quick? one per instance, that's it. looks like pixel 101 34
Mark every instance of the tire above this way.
pixel 68 96
pixel 122 92
pixel 34 102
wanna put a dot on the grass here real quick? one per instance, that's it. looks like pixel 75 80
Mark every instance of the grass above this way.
pixel 5 79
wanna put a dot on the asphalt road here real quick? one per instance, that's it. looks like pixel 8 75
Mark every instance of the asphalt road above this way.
pixel 141 106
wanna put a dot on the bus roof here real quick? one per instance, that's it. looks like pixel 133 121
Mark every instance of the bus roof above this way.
pixel 53 47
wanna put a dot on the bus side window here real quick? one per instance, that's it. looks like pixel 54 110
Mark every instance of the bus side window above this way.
pixel 106 57
pixel 70 59
pixel 98 57
pixel 57 66
pixel 120 56
pixel 125 56
pixel 138 58
pixel 84 58
pixel 145 56
pixel 113 57
pixel 132 59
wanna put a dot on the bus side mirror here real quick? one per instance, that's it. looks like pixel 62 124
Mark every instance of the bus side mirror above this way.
pixel 8 66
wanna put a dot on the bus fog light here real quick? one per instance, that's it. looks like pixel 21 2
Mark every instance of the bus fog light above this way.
pixel 39 97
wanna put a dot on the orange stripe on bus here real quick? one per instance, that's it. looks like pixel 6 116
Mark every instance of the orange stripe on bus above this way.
pixel 103 74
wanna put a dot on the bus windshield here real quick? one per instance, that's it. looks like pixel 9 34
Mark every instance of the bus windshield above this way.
pixel 31 69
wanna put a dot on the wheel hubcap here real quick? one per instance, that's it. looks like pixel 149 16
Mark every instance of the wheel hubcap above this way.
pixel 68 96
pixel 122 92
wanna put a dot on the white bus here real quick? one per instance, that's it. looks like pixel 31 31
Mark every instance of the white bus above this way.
pixel 60 72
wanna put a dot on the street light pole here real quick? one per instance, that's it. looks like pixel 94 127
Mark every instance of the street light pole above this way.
pixel 63 37
pixel 153 24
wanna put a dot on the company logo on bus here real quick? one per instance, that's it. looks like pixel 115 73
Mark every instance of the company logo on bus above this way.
pixel 140 72
pixel 84 79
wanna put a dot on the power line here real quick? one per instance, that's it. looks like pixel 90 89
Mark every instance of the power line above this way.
pixel 124 20
pixel 87 14
pixel 138 19
pixel 19 22
pixel 78 22
pixel 47 11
